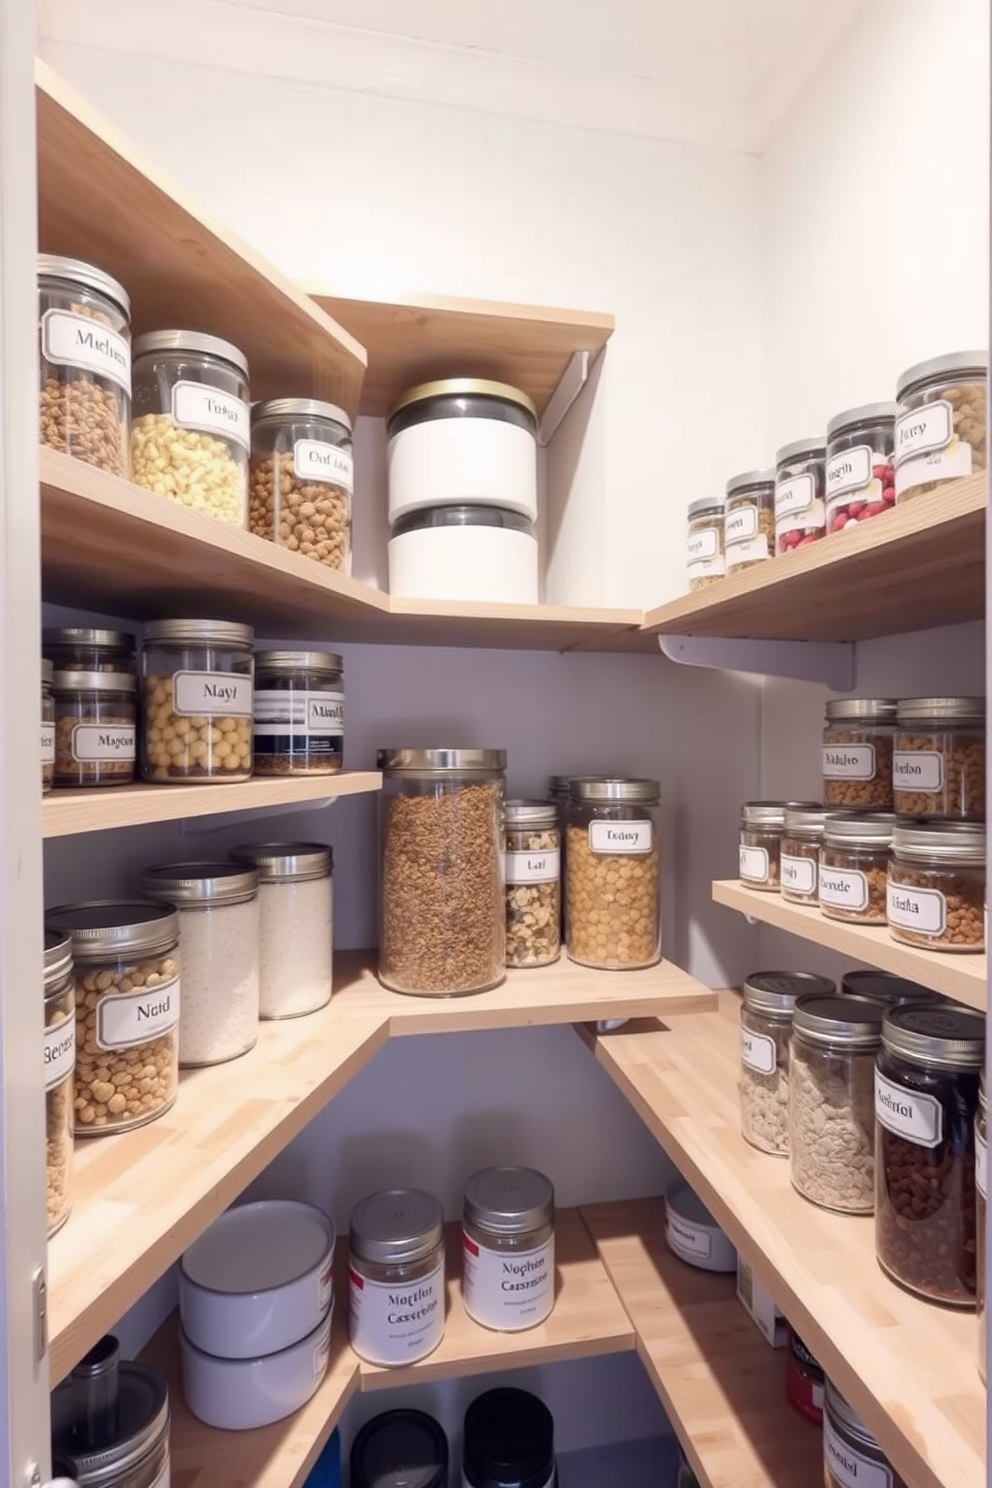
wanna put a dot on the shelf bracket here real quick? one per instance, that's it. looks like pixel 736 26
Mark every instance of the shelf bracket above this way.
pixel 570 385
pixel 201 826
pixel 831 662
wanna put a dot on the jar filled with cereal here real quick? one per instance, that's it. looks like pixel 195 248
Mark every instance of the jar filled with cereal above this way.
pixel 532 863
pixel 766 1030
pixel 302 479
pixel 197 701
pixel 613 866
pixel 749 519
pixel 799 856
pixel 940 431
pixel 59 1052
pixel 857 753
pixel 860 474
pixel 938 768
pixel 704 542
pixel 854 860
pixel 936 891
pixel 47 729
pixel 95 728
pixel 800 515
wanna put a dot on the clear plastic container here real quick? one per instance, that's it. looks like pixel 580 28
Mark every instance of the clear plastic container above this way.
pixel 800 514
pixel 197 702
pixel 799 854
pixel 298 713
pixel 47 739
pixel 296 917
pixel 396 1277
pixel 857 754
pixel 766 1033
pixel 981 1201
pixel 59 1052
pixel 938 767
pixel 852 1457
pixel 508 1248
pixel 95 728
pixel 854 861
pixel 612 893
pixel 79 649
pixel 749 520
pixel 302 479
pixel 532 865
pixel 940 431
pixel 704 543
pixel 860 474
pixel 936 888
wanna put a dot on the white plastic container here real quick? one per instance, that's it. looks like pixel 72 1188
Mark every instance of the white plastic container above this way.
pixel 693 1234
pixel 464 552
pixel 237 1394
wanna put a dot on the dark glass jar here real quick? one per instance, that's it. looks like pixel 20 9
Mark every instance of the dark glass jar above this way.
pixel 400 1449
pixel 509 1442
pixel 803 1380
pixel 298 712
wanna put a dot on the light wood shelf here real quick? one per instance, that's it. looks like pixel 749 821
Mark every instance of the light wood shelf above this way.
pixel 963 977
pixel 909 1368
pixel 722 1386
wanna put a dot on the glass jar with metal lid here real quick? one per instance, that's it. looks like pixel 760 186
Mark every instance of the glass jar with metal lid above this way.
pixel 612 893
pixel 926 1101
pixel 95 728
pixel 298 713
pixel 73 648
pixel 762 825
pixel 859 473
pixel 799 855
pixel 981 1201
pixel 766 1031
pixel 852 1457
pixel 857 753
pixel 749 520
pixel 59 1053
pixel 704 542
pixel 295 910
pixel 854 861
pixel 800 515
pixel 197 701
pixel 190 432
pixel 443 912
pixel 936 891
pixel 85 362
pixel 126 959
pixel 532 864
pixel 396 1276
pixel 831 1100
pixel 302 479
pixel 110 1422
pixel 938 768
pixel 940 431
pixel 47 739
pixel 508 1248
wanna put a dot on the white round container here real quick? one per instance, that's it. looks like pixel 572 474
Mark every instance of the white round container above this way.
pixel 462 440
pixel 464 552
pixel 693 1234
pixel 258 1280
pixel 237 1394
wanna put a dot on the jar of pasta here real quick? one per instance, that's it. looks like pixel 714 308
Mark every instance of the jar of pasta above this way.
pixel 936 890
pixel 704 546
pixel 854 860
pixel 749 519
pixel 197 696
pixel 800 516
pixel 938 768
pixel 857 753
pixel 302 478
pixel 940 431
pixel 799 856
pixel 59 1053
pixel 612 901
pixel 532 862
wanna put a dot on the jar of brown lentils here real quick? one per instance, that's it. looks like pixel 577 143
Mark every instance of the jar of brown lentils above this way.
pixel 301 479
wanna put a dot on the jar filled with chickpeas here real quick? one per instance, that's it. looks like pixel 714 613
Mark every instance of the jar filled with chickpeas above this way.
pixel 938 768
pixel 302 479
pixel 940 430
pixel 857 753
pixel 532 863
pixel 197 692
pixel 612 892
pixel 190 429
pixel 59 1053
pixel 95 728
pixel 47 729
pixel 126 960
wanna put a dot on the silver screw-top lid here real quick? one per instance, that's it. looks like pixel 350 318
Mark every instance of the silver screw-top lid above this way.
pixel 946 841
pixel 866 413
pixel 142 1407
pixel 438 761
pixel 537 814
pixel 197 342
pixel 967 363
pixel 751 480
pixel 280 862
pixel 58 957
pixel 509 1201
pixel 604 791
pixel 859 829
pixel 47 672
pixel 200 885
pixel 838 1021
pixel 884 987
pixel 397 1226
pixel 78 635
pixel 806 821
pixel 950 1035
pixel 100 928
pixel 299 409
pixel 200 633
pixel 814 447
pixel 841 1414
pixel 868 710
pixel 772 813
pixel 299 661
pixel 776 991
pixel 94 682
pixel 941 710
pixel 88 276
pixel 706 505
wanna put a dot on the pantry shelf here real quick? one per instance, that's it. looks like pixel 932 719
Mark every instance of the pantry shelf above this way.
pixel 963 977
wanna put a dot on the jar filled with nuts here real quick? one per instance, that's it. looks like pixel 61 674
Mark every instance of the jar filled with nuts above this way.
pixel 72 648
pixel 938 768
pixel 940 431
pixel 854 860
pixel 766 1031
pixel 59 1052
pixel 85 345
pixel 936 892
pixel 981 1202
pixel 799 857
pixel 762 825
pixel 800 515
pixel 749 519
pixel 197 701
pixel 926 1101
pixel 95 728
pixel 191 427
pixel 298 713
pixel 860 474
pixel 857 753
pixel 704 545
pixel 533 883
pixel 47 729
pixel 613 865
pixel 127 1011
pixel 302 479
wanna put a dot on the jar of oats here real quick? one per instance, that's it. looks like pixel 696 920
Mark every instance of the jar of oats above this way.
pixel 532 864
pixel 95 728
pixel 47 729
pixel 59 1052
pixel 938 768
pixel 302 479
pixel 799 856
pixel 936 889
pixel 749 519
pixel 197 695
pixel 613 866
pixel 857 753
pixel 704 542
pixel 766 1029
pixel 940 430
pixel 854 860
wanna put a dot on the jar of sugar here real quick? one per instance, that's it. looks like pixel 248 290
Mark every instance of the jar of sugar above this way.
pixel 295 902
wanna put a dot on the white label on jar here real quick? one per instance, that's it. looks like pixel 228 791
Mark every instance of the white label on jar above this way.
pixel 325 1286
pixel 908 1113
pixel 69 340
pixel 843 888
pixel 754 864
pixel 59 1052
pixel 754 551
pixel 508 1290
pixel 47 743
pixel 918 770
pixel 922 910
pixel 848 1468
pixel 314 460
pixel 201 694
pixel 981 1164
pixel 794 495
pixel 103 741
pixel 797 874
pixel 708 568
pixel 850 471
pixel 396 1323
pixel 702 544
pixel 322 1352
pixel 197 406
pixel 299 713
pixel 923 429
pixel 620 837
pixel 849 762
pixel 758 1052
pixel 741 524
pixel 532 867
pixel 126 1019
pixel 688 1240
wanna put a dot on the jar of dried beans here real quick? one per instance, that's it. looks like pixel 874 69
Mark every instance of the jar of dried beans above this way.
pixel 533 883
pixel 59 1053
pixel 799 511
pixel 95 728
pixel 749 519
pixel 860 474
pixel 298 713
pixel 197 701
pixel 857 753
pixel 704 544
pixel 926 1100
pixel 940 431
pixel 981 1200
pixel 799 857
pixel 302 479
pixel 612 894
pixel 47 729
pixel 936 890
pixel 852 1457
pixel 762 825
pixel 938 768
pixel 766 1031
pixel 854 862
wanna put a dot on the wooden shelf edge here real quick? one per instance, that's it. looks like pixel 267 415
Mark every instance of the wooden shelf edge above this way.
pixel 462 305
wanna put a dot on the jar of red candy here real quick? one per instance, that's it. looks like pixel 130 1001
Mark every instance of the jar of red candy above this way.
pixel 800 518
pixel 860 468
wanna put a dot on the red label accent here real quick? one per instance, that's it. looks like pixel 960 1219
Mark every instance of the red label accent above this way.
pixel 469 1244
pixel 355 1279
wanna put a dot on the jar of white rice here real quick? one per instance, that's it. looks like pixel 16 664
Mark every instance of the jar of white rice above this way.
pixel 295 891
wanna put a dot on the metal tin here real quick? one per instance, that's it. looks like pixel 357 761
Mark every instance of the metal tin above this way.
pixel 509 1201
pixel 58 957
pixel 951 1036
pixel 706 506
pixel 195 341
pixel 76 271
pixel 838 1022
pixel 859 829
pixel 945 841
pixel 439 761
pixel 750 480
pixel 284 862
pixel 283 408
pixel 142 1428
pixel 396 1227
pixel 968 363
pixel 222 633
pixel 867 413
pixel 941 710
pixel 101 928
pixel 777 991
pixel 455 387
pixel 299 661
pixel 189 884
pixel 540 815
pixel 94 682
pixel 772 813
pixel 592 791
pixel 869 710
pixel 812 448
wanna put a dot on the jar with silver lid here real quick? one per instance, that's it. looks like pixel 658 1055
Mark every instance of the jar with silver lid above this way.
pixel 95 728
pixel 938 768
pixel 298 713
pixel 766 1030
pixel 110 1422
pixel 295 909
pixel 532 863
pixel 762 825
pixel 799 856
pixel 854 861
pixel 190 432
pixel 857 754
pixel 749 520
pixel 396 1292
pixel 47 729
pixel 852 1457
pixel 197 697
pixel 612 893
pixel 508 1248
pixel 302 479
pixel 704 543
pixel 940 430
pixel 860 473
pixel 800 514
pixel 936 888
pixel 74 648
pixel 59 1053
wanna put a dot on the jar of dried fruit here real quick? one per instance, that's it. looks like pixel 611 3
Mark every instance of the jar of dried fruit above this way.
pixel 940 431
pixel 302 479
pixel 612 900
pixel 854 860
pixel 981 1201
pixel 533 883
pixel 95 728
pixel 766 1031
pixel 859 473
pixel 298 713
pixel 938 767
pixel 197 700
pixel 749 519
pixel 47 729
pixel 936 890
pixel 799 856
pixel 857 753
pixel 704 542
pixel 800 516
pixel 59 1053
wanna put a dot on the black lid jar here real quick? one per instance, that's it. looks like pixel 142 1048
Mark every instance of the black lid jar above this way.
pixel 400 1449
pixel 110 1422
pixel 509 1442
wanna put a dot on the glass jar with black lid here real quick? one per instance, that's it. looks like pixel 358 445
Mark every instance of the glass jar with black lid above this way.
pixel 400 1449
pixel 110 1422
pixel 508 1442
pixel 298 713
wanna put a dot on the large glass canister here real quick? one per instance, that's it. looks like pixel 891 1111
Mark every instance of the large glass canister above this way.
pixel 860 474
pixel 442 908
pixel 59 1052
pixel 302 479
pixel 295 905
pixel 613 866
pixel 704 542
pixel 938 768
pixel 936 886
pixel 298 713
pixel 766 1031
pixel 800 516
pixel 533 883
pixel 749 520
pixel 857 754
pixel 981 1200
pixel 940 431
pixel 110 1423
pixel 197 697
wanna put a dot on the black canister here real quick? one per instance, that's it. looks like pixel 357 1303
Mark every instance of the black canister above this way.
pixel 110 1422
pixel 400 1449
pixel 509 1442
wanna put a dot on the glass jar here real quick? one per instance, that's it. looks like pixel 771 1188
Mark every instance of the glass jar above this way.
pixel 704 544
pixel 298 713
pixel 95 728
pixel 884 987
pixel 72 648
pixel 442 906
pixel 857 753
pixel 295 912
pixel 749 520
pixel 408 1444
pixel 854 860
pixel 859 473
pixel 831 1101
pixel 85 362
pixel 532 865
pixel 219 939
pixel 799 854
pixel 938 768
pixel 940 430
pixel 766 1031
pixel 191 426
pixel 612 898
pixel 110 1423
pixel 508 1248
pixel 396 1277
pixel 804 1380
pixel 47 729
pixel 762 825
pixel 127 1011
pixel 197 701
pixel 800 515
pixel 981 1199
pixel 302 479
pixel 508 1441
pixel 926 1101
pixel 852 1457
pixel 936 892
pixel 59 1053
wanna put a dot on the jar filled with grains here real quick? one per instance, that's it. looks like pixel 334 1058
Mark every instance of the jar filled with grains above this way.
pixel 302 479
pixel 981 1201
pixel 860 474
pixel 940 431
pixel 936 888
pixel 396 1276
pixel 72 648
pixel 704 543
pixel 749 520
pixel 800 515
pixel 532 864
pixel 298 724
pixel 762 825
pixel 95 728
pixel 47 729
pixel 295 905
pixel 854 860
pixel 852 1457
pixel 59 1052
pixel 197 701
pixel 799 857
pixel 938 768
pixel 857 754
pixel 766 1032
pixel 612 893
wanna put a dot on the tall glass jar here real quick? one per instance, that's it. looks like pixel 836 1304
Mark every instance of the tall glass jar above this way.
pixel 59 1054
pixel 296 917
pixel 936 890
pixel 799 856
pixel 704 543
pixel 854 861
pixel 508 1248
pixel 749 520
pixel 197 701
pixel 766 1032
pixel 443 914
pixel 860 474
pixel 95 728
pixel 396 1276
pixel 938 768
pixel 532 865
pixel 47 729
pixel 852 1457
pixel 298 713
pixel 857 754
pixel 981 1200
pixel 190 429
pixel 800 516
pixel 612 894
pixel 75 648
pixel 940 431
pixel 302 479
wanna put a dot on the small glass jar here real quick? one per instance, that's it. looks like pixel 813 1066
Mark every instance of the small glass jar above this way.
pixel 532 866
pixel 940 431
pixel 110 1423
pixel 298 724
pixel 47 729
pixel 197 702
pixel 59 1053
pixel 800 515
pixel 804 1380
pixel 190 430
pixel 396 1277
pixel 938 768
pixel 126 959
pixel 854 861
pixel 749 520
pixel 508 1248
pixel 857 754
pixel 831 1101
pixel 612 894
pixel 219 939
pixel 85 353
pixel 762 825
pixel 766 1031
pixel 704 543
pixel 72 648
pixel 508 1441
pixel 852 1457
pixel 926 1101
pixel 981 1199
pixel 302 479
pixel 799 855
pixel 296 916
pixel 442 905
pixel 936 890
pixel 95 728
pixel 860 473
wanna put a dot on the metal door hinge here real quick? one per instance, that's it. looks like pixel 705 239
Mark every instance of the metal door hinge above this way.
pixel 39 1293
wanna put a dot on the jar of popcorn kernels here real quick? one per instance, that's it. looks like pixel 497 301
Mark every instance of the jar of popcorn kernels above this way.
pixel 197 701
pixel 612 901
pixel 59 1053
pixel 302 478
pixel 532 863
